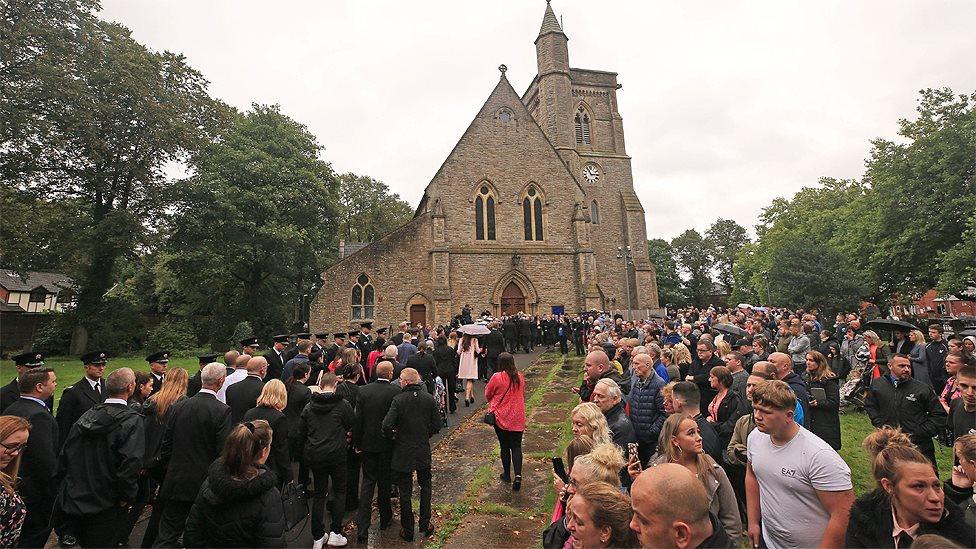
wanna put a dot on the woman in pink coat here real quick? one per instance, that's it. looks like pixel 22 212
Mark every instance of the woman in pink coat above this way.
pixel 505 394
pixel 468 350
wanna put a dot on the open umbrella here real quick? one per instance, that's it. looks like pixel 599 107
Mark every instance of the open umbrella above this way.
pixel 967 332
pixel 730 329
pixel 890 325
pixel 474 329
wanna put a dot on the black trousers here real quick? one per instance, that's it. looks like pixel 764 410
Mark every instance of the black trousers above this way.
pixel 492 366
pixel 142 498
pixel 451 383
pixel 563 346
pixel 578 343
pixel 37 524
pixel 483 372
pixel 510 443
pixel 404 483
pixel 322 474
pixel 353 463
pixel 376 478
pixel 511 345
pixel 98 529
pixel 927 447
pixel 172 522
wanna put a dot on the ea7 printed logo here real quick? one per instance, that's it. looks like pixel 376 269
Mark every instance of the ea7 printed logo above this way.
pixel 788 472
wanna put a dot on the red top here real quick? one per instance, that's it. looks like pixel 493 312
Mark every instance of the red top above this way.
pixel 509 407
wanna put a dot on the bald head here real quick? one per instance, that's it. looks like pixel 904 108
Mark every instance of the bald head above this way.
pixel 242 361
pixel 230 358
pixel 670 507
pixel 783 364
pixel 764 366
pixel 384 369
pixel 257 366
pixel 596 364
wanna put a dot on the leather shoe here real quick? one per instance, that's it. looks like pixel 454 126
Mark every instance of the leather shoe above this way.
pixel 429 531
pixel 405 536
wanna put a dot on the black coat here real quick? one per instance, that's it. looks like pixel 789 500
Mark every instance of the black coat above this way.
pixel 621 429
pixel 700 372
pixel 913 406
pixel 275 365
pixel 425 366
pixel 39 460
pixel 243 395
pixel 710 441
pixel 278 460
pixel 155 428
pixel 494 344
pixel 825 416
pixel 445 361
pixel 10 393
pixel 413 418
pixel 157 383
pixel 230 512
pixel 323 426
pixel 730 410
pixel 195 432
pixel 298 397
pixel 102 458
pixel 374 403
pixel 193 385
pixel 76 400
pixel 871 523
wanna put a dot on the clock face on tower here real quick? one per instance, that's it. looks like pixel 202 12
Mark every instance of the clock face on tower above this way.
pixel 591 173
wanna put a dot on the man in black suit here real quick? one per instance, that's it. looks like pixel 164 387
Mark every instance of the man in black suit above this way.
pixel 157 369
pixel 276 358
pixel 249 346
pixel 510 334
pixel 100 465
pixel 193 385
pixel 494 344
pixel 319 343
pixel 376 450
pixel 11 392
pixel 413 418
pixel 80 397
pixel 332 352
pixel 39 459
pixel 243 395
pixel 353 342
pixel 365 343
pixel 195 432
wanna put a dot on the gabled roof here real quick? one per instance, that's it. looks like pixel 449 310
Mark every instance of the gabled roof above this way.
pixel 52 282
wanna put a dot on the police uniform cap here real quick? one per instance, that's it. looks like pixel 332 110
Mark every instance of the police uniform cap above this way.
pixel 281 338
pixel 322 335
pixel 304 335
pixel 207 359
pixel 94 357
pixel 366 325
pixel 161 357
pixel 29 358
pixel 339 335
pixel 353 334
pixel 381 331
pixel 250 342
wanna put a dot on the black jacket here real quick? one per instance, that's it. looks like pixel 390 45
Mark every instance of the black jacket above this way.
pixel 101 460
pixel 494 344
pixel 195 432
pixel 445 361
pixel 799 388
pixel 298 397
pixel 155 428
pixel 157 383
pixel 374 403
pixel 825 416
pixel 76 400
pixel 710 441
pixel 193 385
pixel 730 410
pixel 278 460
pixel 700 372
pixel 10 392
pixel 913 406
pixel 871 525
pixel 621 429
pixel 413 418
pixel 323 426
pixel 425 366
pixel 275 366
pixel 39 460
pixel 243 395
pixel 231 512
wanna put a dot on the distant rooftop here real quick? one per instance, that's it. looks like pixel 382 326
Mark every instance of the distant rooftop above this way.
pixel 346 249
pixel 52 282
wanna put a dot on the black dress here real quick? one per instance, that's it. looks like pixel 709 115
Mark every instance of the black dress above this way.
pixel 824 418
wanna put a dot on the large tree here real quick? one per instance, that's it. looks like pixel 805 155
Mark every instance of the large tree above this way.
pixel 691 252
pixel 91 117
pixel 253 228
pixel 725 239
pixel 668 282
pixel 367 209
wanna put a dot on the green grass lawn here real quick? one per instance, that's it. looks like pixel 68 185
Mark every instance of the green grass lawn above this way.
pixel 70 369
pixel 854 427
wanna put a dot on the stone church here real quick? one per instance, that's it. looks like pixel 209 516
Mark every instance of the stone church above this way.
pixel 525 214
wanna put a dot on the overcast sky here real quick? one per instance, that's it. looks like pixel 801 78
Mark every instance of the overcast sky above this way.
pixel 726 105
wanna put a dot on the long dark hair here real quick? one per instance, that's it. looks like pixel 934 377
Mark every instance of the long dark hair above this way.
pixel 466 342
pixel 243 447
pixel 297 372
pixel 506 363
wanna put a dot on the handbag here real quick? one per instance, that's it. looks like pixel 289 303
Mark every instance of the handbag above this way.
pixel 490 415
pixel 295 503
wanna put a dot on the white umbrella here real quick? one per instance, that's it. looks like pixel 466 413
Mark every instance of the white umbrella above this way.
pixel 474 329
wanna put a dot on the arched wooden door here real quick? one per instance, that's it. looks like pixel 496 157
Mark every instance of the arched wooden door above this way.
pixel 418 314
pixel 513 300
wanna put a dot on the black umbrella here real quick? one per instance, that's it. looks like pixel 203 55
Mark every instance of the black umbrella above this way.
pixel 967 332
pixel 730 329
pixel 890 325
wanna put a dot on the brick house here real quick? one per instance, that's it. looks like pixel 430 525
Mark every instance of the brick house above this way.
pixel 525 214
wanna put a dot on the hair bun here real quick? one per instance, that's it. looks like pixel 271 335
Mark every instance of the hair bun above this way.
pixel 608 455
pixel 886 437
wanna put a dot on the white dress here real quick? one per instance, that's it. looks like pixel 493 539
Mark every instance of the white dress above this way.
pixel 468 368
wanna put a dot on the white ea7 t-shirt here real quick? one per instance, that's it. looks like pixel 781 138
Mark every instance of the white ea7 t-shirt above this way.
pixel 789 476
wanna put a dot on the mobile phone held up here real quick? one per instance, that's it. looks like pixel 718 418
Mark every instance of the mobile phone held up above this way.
pixel 560 469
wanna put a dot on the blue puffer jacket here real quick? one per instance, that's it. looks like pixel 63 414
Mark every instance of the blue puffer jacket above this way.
pixel 647 407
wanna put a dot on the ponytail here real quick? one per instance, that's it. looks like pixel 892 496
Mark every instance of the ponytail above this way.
pixel 243 447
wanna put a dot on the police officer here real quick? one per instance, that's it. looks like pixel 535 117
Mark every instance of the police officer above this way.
pixel 84 394
pixel 11 392
pixel 157 369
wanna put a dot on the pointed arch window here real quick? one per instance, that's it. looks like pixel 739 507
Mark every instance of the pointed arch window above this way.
pixel 532 214
pixel 484 214
pixel 363 298
pixel 595 213
pixel 582 122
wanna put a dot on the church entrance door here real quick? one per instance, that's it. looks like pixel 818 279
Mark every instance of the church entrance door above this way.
pixel 418 314
pixel 513 300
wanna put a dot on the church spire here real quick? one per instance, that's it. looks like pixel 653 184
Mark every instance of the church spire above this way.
pixel 549 22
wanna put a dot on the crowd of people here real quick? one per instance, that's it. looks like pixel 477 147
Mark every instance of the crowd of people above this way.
pixel 704 429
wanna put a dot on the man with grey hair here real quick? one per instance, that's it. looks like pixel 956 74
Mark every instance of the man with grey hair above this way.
pixel 194 437
pixel 608 397
pixel 100 465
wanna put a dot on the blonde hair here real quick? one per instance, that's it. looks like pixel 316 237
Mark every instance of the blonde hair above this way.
pixel 723 347
pixel 680 354
pixel 579 446
pixel 174 388
pixel 602 464
pixel 8 426
pixel 916 336
pixel 671 451
pixel 774 393
pixel 871 337
pixel 668 390
pixel 890 447
pixel 609 507
pixel 966 446
pixel 274 395
pixel 593 418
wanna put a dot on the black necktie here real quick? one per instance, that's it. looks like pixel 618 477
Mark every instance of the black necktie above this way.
pixel 904 540
pixel 98 387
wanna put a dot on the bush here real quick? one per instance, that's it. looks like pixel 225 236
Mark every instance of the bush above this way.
pixel 172 335
pixel 116 328
pixel 54 338
pixel 242 330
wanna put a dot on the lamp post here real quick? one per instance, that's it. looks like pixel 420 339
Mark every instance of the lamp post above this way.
pixel 624 253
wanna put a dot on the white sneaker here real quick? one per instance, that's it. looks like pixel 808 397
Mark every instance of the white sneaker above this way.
pixel 336 540
pixel 320 542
